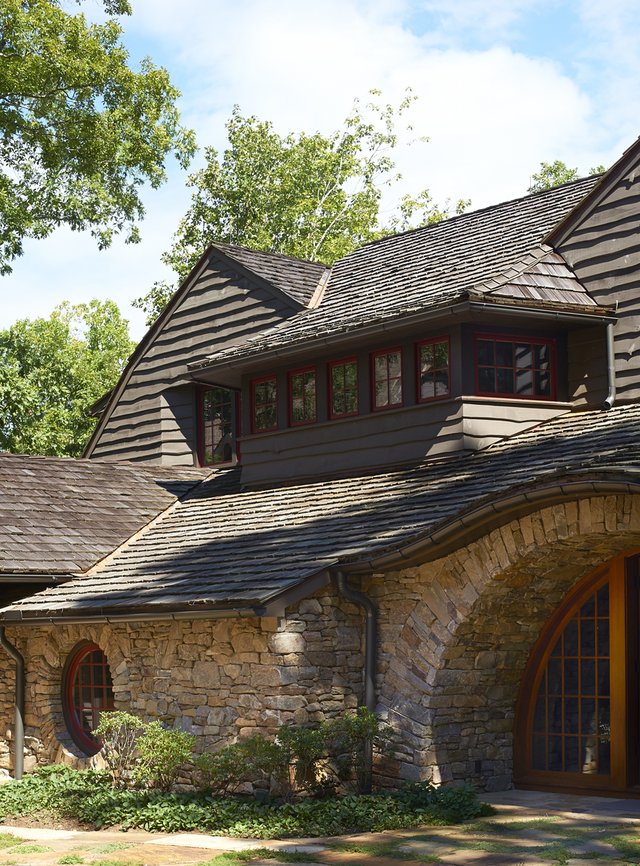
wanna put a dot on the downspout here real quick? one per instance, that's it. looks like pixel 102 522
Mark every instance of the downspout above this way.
pixel 611 368
pixel 370 647
pixel 18 736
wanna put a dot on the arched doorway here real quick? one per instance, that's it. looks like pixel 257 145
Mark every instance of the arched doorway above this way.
pixel 577 717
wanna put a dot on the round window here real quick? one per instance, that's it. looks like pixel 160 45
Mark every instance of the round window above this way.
pixel 87 692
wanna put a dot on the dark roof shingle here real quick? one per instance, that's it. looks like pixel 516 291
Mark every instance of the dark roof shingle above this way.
pixel 296 277
pixel 422 269
pixel 225 546
pixel 61 515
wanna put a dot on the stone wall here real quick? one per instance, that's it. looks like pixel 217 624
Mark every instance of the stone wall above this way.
pixel 219 679
pixel 455 634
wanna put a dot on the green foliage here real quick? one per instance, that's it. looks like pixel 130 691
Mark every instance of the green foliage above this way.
pixel 70 859
pixel 52 370
pixel 222 772
pixel 307 195
pixel 88 797
pixel 556 173
pixel 162 753
pixel 303 753
pixel 119 732
pixel 81 131
pixel 348 738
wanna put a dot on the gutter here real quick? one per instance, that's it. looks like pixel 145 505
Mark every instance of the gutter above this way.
pixel 370 652
pixel 611 368
pixel 16 618
pixel 479 521
pixel 392 325
pixel 18 735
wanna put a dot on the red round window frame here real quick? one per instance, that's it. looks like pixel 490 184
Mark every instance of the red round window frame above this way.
pixel 84 741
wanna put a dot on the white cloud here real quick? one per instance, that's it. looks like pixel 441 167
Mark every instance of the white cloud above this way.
pixel 492 115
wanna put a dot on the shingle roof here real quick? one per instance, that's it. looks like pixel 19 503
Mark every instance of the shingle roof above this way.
pixel 227 547
pixel 423 269
pixel 296 277
pixel 59 516
pixel 542 275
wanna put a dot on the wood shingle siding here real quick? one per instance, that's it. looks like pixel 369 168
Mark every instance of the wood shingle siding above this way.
pixel 603 249
pixel 223 307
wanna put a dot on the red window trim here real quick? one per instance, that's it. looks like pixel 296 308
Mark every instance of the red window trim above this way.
pixel 290 374
pixel 518 338
pixel 445 338
pixel 252 391
pixel 372 382
pixel 338 362
pixel 88 744
pixel 201 390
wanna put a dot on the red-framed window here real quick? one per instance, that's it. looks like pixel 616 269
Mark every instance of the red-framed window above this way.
pixel 509 366
pixel 303 404
pixel 343 388
pixel 217 413
pixel 87 691
pixel 432 358
pixel 264 404
pixel 386 379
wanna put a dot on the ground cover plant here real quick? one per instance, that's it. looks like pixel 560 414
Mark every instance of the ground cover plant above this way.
pixel 302 781
pixel 89 798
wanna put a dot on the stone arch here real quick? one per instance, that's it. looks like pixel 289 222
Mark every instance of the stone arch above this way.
pixel 456 633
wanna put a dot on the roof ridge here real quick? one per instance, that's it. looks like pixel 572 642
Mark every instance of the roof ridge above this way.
pixel 271 253
pixel 473 213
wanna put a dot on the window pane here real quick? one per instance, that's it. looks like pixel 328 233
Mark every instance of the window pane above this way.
pixel 486 380
pixel 485 352
pixel 504 379
pixel 504 354
pixel 441 351
pixel 523 355
pixel 574 690
pixel 394 364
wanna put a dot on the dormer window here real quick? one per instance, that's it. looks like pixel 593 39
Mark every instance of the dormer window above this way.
pixel 515 367
pixel 386 376
pixel 433 369
pixel 302 397
pixel 217 426
pixel 343 388
pixel 264 404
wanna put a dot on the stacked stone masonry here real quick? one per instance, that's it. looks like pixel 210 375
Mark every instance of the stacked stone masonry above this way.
pixel 454 638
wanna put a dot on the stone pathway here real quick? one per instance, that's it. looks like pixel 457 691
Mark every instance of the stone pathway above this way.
pixel 528 829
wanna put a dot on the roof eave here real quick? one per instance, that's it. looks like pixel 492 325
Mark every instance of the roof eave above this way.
pixel 475 303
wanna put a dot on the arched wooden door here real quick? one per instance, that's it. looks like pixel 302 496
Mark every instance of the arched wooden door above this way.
pixel 577 717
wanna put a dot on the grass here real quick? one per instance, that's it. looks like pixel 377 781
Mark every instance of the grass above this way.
pixel 110 847
pixel 31 848
pixel 8 840
pixel 383 849
pixel 238 858
pixel 70 859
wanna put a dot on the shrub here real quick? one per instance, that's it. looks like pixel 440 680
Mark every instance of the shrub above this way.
pixel 303 754
pixel 119 732
pixel 222 772
pixel 348 738
pixel 162 752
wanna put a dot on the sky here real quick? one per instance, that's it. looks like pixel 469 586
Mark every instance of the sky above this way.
pixel 501 84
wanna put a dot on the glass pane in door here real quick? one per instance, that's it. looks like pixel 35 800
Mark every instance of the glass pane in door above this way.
pixel 571 729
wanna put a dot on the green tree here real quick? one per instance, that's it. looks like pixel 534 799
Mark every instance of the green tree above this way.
pixel 81 131
pixel 555 174
pixel 311 196
pixel 52 370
